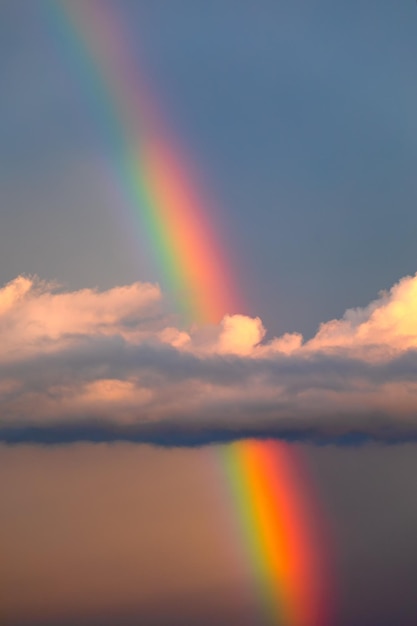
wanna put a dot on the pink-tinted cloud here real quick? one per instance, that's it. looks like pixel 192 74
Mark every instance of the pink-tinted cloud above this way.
pixel 113 364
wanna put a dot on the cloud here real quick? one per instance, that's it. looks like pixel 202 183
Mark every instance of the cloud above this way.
pixel 113 365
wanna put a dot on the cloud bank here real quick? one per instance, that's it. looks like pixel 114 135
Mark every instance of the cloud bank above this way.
pixel 113 365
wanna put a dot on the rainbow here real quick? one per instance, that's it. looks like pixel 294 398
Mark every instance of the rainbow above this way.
pixel 277 515
pixel 282 530
pixel 148 164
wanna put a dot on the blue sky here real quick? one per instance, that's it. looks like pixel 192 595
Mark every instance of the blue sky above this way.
pixel 300 117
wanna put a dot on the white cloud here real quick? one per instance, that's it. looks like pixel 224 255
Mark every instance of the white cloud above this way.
pixel 91 364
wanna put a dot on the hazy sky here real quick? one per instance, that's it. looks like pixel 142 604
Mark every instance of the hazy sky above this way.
pixel 299 118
